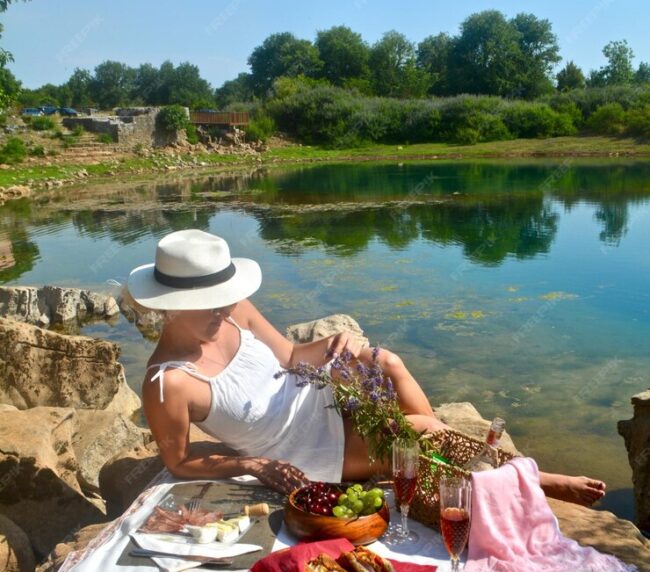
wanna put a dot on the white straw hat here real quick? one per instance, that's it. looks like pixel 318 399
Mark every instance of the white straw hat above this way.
pixel 193 271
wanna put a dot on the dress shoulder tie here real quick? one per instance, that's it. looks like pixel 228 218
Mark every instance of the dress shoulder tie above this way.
pixel 186 366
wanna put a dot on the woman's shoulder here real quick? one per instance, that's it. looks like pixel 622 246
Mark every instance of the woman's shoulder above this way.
pixel 168 383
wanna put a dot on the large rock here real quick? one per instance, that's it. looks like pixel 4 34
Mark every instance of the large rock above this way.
pixel 465 418
pixel 636 432
pixel 16 554
pixel 324 327
pixel 127 474
pixel 603 531
pixel 102 435
pixel 39 367
pixel 52 305
pixel 38 472
pixel 77 541
pixel 148 322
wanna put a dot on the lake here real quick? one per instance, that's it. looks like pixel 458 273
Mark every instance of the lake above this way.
pixel 523 287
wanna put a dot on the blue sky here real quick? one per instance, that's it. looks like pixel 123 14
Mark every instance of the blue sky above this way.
pixel 49 38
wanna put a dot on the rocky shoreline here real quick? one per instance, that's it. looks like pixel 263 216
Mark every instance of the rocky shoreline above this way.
pixel 72 458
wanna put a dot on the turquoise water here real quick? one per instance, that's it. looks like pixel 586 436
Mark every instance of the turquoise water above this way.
pixel 521 287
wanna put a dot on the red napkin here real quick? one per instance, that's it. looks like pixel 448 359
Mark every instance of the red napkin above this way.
pixel 294 559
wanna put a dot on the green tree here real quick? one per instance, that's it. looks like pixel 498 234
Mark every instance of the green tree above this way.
pixel 344 55
pixel 570 77
pixel 10 88
pixel 188 88
pixel 393 67
pixel 619 70
pixel 433 57
pixel 112 84
pixel 146 85
pixel 642 74
pixel 79 88
pixel 4 4
pixel 234 90
pixel 539 52
pixel 282 55
pixel 486 56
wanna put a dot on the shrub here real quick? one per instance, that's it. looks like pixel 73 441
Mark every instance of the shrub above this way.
pixel 470 119
pixel 37 151
pixel 57 134
pixel 314 115
pixel 536 120
pixel 191 133
pixel 13 151
pixel 42 123
pixel 638 121
pixel 78 131
pixel 105 138
pixel 260 128
pixel 608 119
pixel 172 118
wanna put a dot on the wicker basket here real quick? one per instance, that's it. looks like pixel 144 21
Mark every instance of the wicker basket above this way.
pixel 458 449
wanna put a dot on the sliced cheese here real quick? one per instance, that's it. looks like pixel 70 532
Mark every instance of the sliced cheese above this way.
pixel 226 532
pixel 241 522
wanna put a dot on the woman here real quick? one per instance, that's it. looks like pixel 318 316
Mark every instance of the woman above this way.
pixel 214 366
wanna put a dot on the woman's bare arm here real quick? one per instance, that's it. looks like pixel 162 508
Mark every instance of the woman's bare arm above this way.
pixel 169 422
pixel 288 354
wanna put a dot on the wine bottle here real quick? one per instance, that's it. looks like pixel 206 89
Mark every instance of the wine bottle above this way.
pixel 488 457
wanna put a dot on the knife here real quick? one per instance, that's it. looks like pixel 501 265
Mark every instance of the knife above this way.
pixel 141 552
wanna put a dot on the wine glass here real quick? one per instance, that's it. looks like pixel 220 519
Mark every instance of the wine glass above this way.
pixel 455 515
pixel 405 478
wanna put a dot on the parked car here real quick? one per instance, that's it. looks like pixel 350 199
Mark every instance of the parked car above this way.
pixel 49 109
pixel 68 111
pixel 32 111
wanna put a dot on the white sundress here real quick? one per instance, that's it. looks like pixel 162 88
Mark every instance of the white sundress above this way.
pixel 260 416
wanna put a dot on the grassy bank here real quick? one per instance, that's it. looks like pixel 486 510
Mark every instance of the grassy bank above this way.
pixel 38 173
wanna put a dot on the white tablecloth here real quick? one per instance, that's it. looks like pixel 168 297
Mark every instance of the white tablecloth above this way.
pixel 103 552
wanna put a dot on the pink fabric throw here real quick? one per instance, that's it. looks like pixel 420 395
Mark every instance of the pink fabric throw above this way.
pixel 514 529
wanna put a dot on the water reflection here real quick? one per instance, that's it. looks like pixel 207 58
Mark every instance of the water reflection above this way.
pixel 492 210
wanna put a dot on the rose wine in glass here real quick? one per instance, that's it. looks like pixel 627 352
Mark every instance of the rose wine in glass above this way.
pixel 405 479
pixel 455 516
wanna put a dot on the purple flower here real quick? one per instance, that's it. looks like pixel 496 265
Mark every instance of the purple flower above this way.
pixel 352 404
pixel 375 353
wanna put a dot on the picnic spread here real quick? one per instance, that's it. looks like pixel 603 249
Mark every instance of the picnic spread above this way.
pixel 522 530
pixel 111 549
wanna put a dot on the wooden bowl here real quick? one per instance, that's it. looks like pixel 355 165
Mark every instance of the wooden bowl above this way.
pixel 308 526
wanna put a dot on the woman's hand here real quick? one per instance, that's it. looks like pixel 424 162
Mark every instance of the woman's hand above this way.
pixel 280 475
pixel 343 341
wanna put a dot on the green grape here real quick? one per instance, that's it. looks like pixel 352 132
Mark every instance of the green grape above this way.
pixel 349 490
pixel 367 511
pixel 349 513
pixel 362 494
pixel 378 502
pixel 376 492
pixel 352 497
pixel 343 498
pixel 339 511
pixel 357 487
pixel 358 506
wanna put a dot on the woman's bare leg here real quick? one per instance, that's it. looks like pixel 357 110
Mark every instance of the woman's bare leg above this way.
pixel 356 464
pixel 414 403
pixel 578 490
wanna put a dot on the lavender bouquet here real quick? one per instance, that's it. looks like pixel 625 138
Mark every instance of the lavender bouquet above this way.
pixel 363 394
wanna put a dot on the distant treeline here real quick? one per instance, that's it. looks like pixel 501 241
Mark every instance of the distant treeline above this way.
pixel 493 80
pixel 337 117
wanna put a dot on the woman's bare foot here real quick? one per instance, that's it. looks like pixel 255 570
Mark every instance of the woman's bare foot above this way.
pixel 579 490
